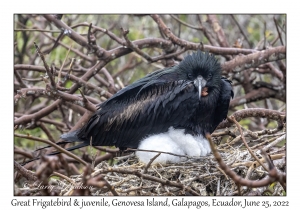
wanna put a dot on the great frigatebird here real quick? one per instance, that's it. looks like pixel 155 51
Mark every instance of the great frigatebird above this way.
pixel 191 98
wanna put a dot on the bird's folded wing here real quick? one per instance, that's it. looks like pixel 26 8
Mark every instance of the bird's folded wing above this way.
pixel 125 121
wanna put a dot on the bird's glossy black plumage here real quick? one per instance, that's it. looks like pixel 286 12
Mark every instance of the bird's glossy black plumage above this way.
pixel 171 97
pixel 164 98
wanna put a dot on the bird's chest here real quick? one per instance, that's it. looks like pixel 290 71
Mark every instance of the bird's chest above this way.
pixel 203 119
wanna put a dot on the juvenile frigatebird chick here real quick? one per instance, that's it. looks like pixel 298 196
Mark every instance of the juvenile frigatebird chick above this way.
pixel 176 104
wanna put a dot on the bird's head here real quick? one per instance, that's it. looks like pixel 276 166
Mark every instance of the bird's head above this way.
pixel 203 69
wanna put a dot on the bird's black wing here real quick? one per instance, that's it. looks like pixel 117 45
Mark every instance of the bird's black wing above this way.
pixel 225 96
pixel 140 111
pixel 158 77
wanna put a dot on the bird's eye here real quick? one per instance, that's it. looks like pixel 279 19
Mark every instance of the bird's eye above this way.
pixel 209 75
pixel 190 75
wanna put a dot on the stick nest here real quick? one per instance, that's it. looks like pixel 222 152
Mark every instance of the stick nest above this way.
pixel 126 176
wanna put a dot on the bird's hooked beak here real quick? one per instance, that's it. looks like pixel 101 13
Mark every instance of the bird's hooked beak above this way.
pixel 199 82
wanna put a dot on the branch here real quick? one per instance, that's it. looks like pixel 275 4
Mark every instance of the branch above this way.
pixel 111 84
pixel 81 82
pixel 273 175
pixel 49 73
pixel 37 115
pixel 62 150
pixel 207 33
pixel 232 119
pixel 218 30
pixel 255 59
pixel 186 24
pixel 77 52
pixel 255 112
pixel 148 177
pixel 241 30
pixel 26 173
pixel 195 46
pixel 277 28
pixel 94 181
pixel 150 162
pixel 255 95
pixel 75 36
pixel 56 95
pixel 134 47
pixel 45 120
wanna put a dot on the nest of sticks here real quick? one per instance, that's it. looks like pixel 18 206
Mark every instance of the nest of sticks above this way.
pixel 126 176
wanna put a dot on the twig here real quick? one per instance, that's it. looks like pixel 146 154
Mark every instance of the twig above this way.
pixel 49 73
pixel 95 182
pixel 207 33
pixel 64 177
pixel 73 78
pixel 241 29
pixel 77 52
pixel 186 24
pixel 279 34
pixel 265 35
pixel 57 95
pixel 129 65
pixel 111 84
pixel 169 153
pixel 19 79
pixel 148 177
pixel 101 53
pixel 62 150
pixel 218 30
pixel 26 173
pixel 120 82
pixel 59 73
pixel 273 176
pixel 32 80
pixel 46 130
pixel 249 163
pixel 264 142
pixel 195 46
pixel 170 55
pixel 45 120
pixel 87 104
pixel 276 72
pixel 23 153
pixel 222 172
pixel 134 47
pixel 150 162
pixel 243 138
pixel 281 138
pixel 37 115
pixel 37 30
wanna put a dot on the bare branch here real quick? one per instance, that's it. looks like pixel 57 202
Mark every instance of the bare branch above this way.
pixel 242 62
pixel 62 150
pixel 194 46
pixel 255 112
pixel 273 175
pixel 231 118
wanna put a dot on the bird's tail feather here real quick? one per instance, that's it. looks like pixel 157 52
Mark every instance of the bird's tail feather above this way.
pixel 67 137
pixel 70 137
pixel 58 143
pixel 83 144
